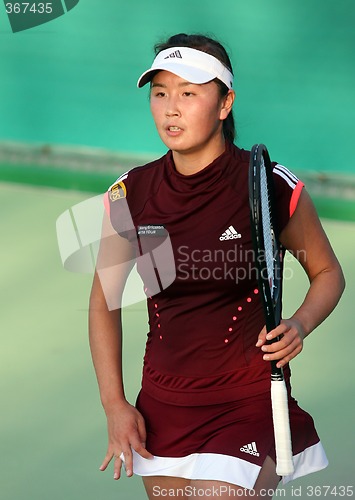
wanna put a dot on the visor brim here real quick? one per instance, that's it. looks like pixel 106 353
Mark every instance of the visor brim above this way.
pixel 193 75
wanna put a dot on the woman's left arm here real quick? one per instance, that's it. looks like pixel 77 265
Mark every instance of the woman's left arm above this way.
pixel 305 238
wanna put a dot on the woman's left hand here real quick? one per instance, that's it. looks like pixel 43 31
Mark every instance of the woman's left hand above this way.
pixel 291 335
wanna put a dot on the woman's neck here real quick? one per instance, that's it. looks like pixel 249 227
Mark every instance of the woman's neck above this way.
pixel 189 163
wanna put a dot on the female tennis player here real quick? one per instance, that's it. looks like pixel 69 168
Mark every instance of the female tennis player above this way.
pixel 202 423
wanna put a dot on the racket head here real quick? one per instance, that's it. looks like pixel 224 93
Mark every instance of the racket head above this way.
pixel 268 257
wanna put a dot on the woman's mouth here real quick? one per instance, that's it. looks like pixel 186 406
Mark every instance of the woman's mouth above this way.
pixel 173 130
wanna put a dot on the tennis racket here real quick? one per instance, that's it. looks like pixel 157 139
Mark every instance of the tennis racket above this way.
pixel 268 263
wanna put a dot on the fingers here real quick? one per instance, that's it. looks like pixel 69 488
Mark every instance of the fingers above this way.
pixel 279 331
pixel 127 459
pixel 275 352
pixel 289 345
pixel 117 467
pixel 142 451
pixel 128 462
pixel 140 446
pixel 118 463
pixel 262 337
pixel 106 461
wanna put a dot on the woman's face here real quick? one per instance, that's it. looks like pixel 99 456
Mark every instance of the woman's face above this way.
pixel 188 117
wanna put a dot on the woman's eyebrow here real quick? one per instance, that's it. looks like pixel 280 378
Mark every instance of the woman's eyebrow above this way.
pixel 181 84
pixel 157 85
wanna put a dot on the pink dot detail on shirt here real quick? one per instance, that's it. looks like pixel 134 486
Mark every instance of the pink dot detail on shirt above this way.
pixel 230 329
pixel 235 318
pixel 156 306
pixel 256 291
pixel 248 299
pixel 161 337
pixel 158 325
pixel 240 308
pixel 226 341
pixel 157 315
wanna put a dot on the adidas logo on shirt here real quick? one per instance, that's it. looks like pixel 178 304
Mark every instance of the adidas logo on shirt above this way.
pixel 230 234
pixel 251 449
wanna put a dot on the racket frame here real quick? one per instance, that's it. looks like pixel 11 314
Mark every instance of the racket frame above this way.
pixel 271 299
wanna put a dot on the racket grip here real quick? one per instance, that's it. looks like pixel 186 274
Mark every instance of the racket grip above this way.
pixel 280 415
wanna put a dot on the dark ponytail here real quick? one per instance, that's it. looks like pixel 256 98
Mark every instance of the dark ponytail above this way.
pixel 214 48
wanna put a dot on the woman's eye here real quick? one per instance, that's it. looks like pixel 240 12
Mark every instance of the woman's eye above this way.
pixel 188 94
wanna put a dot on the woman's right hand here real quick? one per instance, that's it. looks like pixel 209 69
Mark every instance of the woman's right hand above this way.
pixel 126 431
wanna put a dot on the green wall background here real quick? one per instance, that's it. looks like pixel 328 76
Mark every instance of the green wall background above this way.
pixel 73 81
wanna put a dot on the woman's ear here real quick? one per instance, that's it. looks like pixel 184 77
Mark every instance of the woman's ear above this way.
pixel 227 104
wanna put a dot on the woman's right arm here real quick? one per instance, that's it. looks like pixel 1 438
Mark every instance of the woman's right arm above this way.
pixel 126 428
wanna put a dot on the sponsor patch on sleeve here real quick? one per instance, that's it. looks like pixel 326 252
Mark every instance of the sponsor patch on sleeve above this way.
pixel 118 191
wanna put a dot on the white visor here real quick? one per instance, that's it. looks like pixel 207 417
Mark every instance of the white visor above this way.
pixel 192 65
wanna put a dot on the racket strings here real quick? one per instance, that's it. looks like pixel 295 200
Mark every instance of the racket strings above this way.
pixel 268 233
